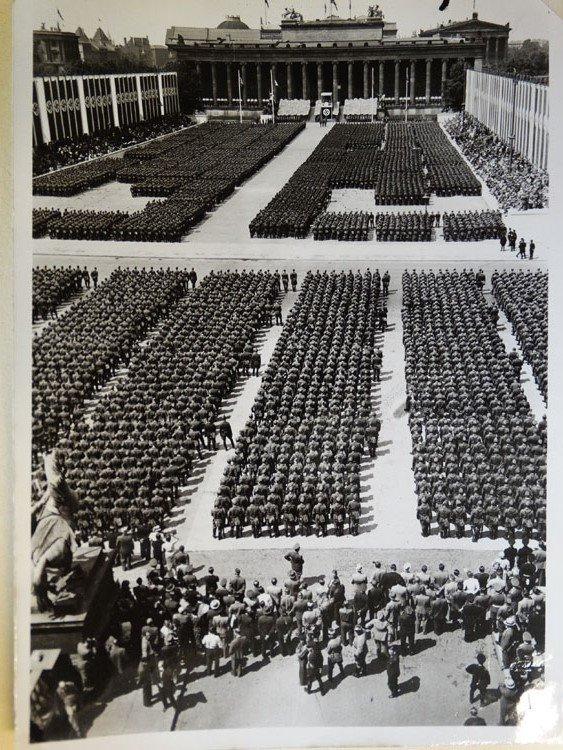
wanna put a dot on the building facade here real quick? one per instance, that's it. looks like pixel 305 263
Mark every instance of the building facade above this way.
pixel 493 36
pixel 516 110
pixel 71 106
pixel 357 57
pixel 54 51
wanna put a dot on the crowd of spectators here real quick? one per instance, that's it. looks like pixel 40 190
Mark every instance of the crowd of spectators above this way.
pixel 128 460
pixel 62 153
pixel 193 170
pixel 51 287
pixel 514 181
pixel 479 455
pixel 523 297
pixel 172 626
pixel 343 225
pixel 296 467
pixel 472 226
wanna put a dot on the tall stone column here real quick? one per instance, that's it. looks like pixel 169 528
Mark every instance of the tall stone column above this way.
pixel 304 80
pixel 319 79
pixel 397 71
pixel 229 84
pixel 289 81
pixel 495 50
pixel 244 91
pixel 413 81
pixel 350 79
pixel 381 78
pixel 214 81
pixel 444 77
pixel 259 82
pixel 428 80
pixel 366 81
pixel 334 82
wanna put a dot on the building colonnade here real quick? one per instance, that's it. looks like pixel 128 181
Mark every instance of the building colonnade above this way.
pixel 423 78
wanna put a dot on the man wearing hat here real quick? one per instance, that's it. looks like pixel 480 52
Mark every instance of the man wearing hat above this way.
pixel 210 581
pixel 314 665
pixel 125 546
pixel 480 678
pixel 292 584
pixel 360 647
pixel 237 585
pixel 509 640
pixel 509 697
pixel 334 652
pixel 296 560
pixel 359 580
pixel 266 625
pixel 237 652
pixel 474 720
pixel 393 671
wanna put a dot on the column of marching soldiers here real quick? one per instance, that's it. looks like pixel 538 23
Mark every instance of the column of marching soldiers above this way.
pixel 478 454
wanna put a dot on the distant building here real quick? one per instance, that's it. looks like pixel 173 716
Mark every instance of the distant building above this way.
pixel 54 51
pixel 351 57
pixel 98 49
pixel 140 52
pixel 493 35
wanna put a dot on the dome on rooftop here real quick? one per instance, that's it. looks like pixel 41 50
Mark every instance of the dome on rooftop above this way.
pixel 232 22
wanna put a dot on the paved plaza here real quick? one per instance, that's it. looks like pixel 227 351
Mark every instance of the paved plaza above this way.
pixel 435 685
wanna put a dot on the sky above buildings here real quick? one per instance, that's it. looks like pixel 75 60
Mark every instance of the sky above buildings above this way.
pixel 528 18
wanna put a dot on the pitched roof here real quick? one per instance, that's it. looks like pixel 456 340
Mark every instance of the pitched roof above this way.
pixel 469 24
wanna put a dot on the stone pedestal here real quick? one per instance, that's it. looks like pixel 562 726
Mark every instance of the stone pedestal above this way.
pixel 86 615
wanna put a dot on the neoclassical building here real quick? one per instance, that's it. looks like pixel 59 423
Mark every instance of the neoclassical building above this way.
pixel 354 57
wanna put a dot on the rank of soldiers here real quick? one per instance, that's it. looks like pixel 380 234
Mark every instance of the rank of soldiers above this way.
pixel 412 226
pixel 77 179
pixel 128 460
pixel 523 298
pixel 296 468
pixel 41 219
pixel 472 226
pixel 52 287
pixel 227 154
pixel 76 355
pixel 479 456
pixel 345 225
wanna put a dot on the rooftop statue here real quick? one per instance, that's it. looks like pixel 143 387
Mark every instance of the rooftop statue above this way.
pixel 374 11
pixel 290 14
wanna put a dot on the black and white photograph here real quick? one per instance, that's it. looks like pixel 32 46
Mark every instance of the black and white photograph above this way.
pixel 283 472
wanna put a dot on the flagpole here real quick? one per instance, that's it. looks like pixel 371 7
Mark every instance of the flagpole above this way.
pixel 239 98
pixel 407 86
pixel 272 95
